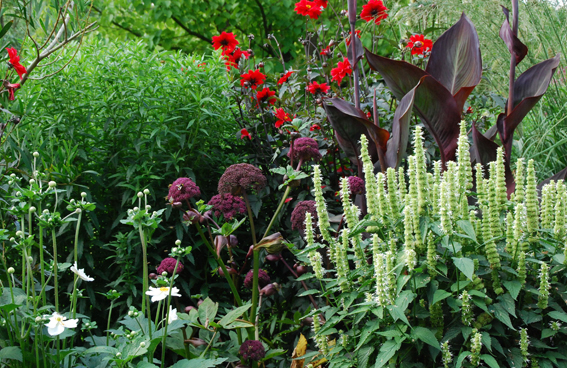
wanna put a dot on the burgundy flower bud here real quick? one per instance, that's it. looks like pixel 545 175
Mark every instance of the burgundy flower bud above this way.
pixel 192 216
pixel 273 257
pixel 220 242
pixel 325 64
pixel 308 321
pixel 263 279
pixel 299 269
pixel 298 104
pixel 309 69
pixel 270 289
pixel 260 64
pixel 153 276
pixel 343 13
pixel 196 342
pixel 231 271
pixel 332 43
pixel 232 241
pixel 227 205
pixel 168 265
pixel 356 185
pixel 298 214
pixel 239 177
pixel 318 101
pixel 246 84
pixel 189 308
pixel 200 302
pixel 252 350
pixel 305 149
pixel 250 251
pixel 176 205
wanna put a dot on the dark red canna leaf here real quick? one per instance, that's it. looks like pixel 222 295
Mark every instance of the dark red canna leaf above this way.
pixel 528 90
pixel 400 76
pixel 359 50
pixel 349 124
pixel 455 60
pixel 398 142
pixel 515 46
pixel 440 114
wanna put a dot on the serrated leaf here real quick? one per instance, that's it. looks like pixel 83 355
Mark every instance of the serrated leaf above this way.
pixel 12 352
pixel 461 358
pixel 558 315
pixel 387 351
pixel 427 336
pixel 466 266
pixel 489 360
pixel 467 227
pixel 440 295
pixel 233 315
pixel 513 288
pixel 364 356
pixel 502 315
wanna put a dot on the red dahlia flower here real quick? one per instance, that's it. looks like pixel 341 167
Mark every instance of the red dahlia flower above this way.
pixel 419 44
pixel 226 40
pixel 15 61
pixel 11 88
pixel 311 9
pixel 326 51
pixel 469 109
pixel 244 133
pixel 265 95
pixel 316 88
pixel 322 3
pixel 314 127
pixel 343 68
pixel 285 77
pixel 282 116
pixel 253 77
pixel 233 57
pixel 350 33
pixel 374 10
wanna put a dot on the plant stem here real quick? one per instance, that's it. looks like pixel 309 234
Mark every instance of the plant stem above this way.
pixel 163 347
pixel 75 251
pixel 55 278
pixel 145 267
pixel 108 322
pixel 256 255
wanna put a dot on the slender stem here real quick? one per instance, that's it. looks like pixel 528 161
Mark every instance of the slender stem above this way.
pixel 55 278
pixel 76 256
pixel 282 202
pixel 354 66
pixel 510 106
pixel 256 255
pixel 41 264
pixel 163 347
pixel 108 321
pixel 145 267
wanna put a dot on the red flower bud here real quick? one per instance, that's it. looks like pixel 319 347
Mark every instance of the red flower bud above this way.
pixel 189 308
pixel 273 257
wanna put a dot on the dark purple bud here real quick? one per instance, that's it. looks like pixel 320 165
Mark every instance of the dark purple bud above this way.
pixel 270 289
pixel 192 217
pixel 200 302
pixel 260 64
pixel 325 65
pixel 299 269
pixel 188 309
pixel 250 251
pixel 232 241
pixel 153 276
pixel 231 271
pixel 273 257
pixel 220 242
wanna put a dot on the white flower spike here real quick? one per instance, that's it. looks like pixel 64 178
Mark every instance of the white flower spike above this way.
pixel 161 293
pixel 58 323
pixel 81 273
pixel 172 315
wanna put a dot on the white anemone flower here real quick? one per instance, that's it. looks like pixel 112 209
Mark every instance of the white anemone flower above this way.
pixel 161 293
pixel 81 273
pixel 172 315
pixel 58 323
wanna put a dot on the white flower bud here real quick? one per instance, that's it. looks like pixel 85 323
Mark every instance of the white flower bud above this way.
pixel 12 175
pixel 32 181
pixel 38 319
pixel 52 184
pixel 11 270
pixel 114 291
pixel 78 210
pixel 46 211
pixel 143 344
pixel 178 242
pixel 164 273
pixel 136 209
pixel 32 209
pixel 36 154
pixel 130 313
pixel 30 259
pixel 12 239
pixel 140 194
pixel 118 355
pixel 148 207
pixel 20 233
pixel 83 194
pixel 174 249
pixel 146 191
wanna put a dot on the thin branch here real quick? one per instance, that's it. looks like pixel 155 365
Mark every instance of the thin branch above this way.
pixel 264 20
pixel 192 33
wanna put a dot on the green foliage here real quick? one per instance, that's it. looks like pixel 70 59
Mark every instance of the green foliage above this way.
pixel 470 302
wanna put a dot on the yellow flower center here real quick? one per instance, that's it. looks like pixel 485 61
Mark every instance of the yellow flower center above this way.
pixel 59 319
pixel 308 6
pixel 164 289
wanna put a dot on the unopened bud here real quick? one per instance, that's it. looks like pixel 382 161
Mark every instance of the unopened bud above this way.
pixel 140 194
pixel 178 242
pixel 32 209
pixel 36 154
pixel 11 270
pixel 146 191
pixel 52 184
pixel 32 181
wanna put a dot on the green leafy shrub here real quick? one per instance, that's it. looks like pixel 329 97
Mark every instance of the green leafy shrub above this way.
pixel 457 277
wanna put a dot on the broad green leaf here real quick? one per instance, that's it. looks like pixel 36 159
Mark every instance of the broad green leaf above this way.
pixel 207 311
pixel 425 335
pixel 508 303
pixel 440 295
pixel 489 360
pixel 467 227
pixel 11 352
pixel 558 315
pixel 364 356
pixel 502 315
pixel 233 315
pixel 461 358
pixel 198 363
pixel 146 365
pixel 387 351
pixel 466 266
pixel 513 288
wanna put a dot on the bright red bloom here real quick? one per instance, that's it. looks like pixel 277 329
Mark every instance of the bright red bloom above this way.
pixel 288 199
pixel 419 44
pixel 322 3
pixel 315 127
pixel 350 33
pixel 285 77
pixel 282 116
pixel 374 10
pixel 11 88
pixel 316 88
pixel 326 51
pixel 226 40
pixel 469 110
pixel 15 61
pixel 265 95
pixel 369 115
pixel 253 77
pixel 311 9
pixel 233 57
pixel 343 68
pixel 244 133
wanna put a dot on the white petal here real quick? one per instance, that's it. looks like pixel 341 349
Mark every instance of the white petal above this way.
pixel 153 291
pixel 57 330
pixel 158 297
pixel 72 323
pixel 172 315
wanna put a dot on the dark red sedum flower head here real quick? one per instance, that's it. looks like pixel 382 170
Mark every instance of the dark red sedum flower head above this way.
pixel 252 350
pixel 305 149
pixel 265 95
pixel 263 279
pixel 374 10
pixel 168 265
pixel 282 116
pixel 311 9
pixel 343 68
pixel 298 214
pixel 182 189
pixel 356 185
pixel 240 177
pixel 316 88
pixel 228 205
pixel 254 78
pixel 419 44
pixel 15 61
pixel 225 40
pixel 285 77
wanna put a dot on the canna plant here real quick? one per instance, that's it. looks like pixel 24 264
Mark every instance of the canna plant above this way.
pixel 436 274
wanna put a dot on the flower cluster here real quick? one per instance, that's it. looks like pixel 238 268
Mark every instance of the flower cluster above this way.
pixel 311 9
pixel 316 88
pixel 252 79
pixel 232 54
pixel 356 185
pixel 298 215
pixel 252 350
pixel 168 265
pixel 182 189
pixel 239 177
pixel 343 68
pixel 305 149
pixel 228 205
